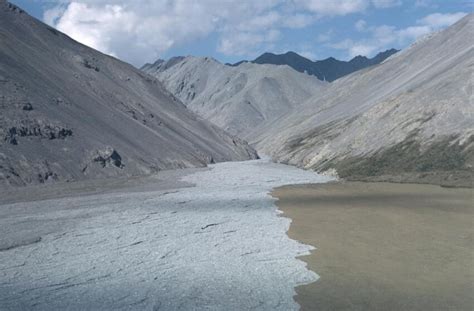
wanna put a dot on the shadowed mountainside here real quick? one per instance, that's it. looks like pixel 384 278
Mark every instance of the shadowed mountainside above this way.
pixel 69 112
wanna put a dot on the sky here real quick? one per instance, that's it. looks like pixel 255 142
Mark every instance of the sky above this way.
pixel 141 31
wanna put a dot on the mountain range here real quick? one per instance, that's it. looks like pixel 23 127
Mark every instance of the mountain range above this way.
pixel 328 69
pixel 408 118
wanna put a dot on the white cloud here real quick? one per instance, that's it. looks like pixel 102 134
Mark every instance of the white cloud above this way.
pixel 139 31
pixel 93 27
pixel 134 31
pixel 384 37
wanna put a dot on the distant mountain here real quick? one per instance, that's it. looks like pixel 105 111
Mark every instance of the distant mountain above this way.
pixel 68 112
pixel 409 119
pixel 239 99
pixel 329 69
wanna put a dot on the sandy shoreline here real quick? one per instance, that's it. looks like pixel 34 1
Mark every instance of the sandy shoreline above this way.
pixel 383 246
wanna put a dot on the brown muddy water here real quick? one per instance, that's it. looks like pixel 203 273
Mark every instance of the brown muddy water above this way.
pixel 384 246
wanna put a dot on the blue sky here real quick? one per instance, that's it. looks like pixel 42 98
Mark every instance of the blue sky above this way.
pixel 140 31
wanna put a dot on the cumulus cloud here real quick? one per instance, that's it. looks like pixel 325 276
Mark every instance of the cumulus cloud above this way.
pixel 139 31
pixel 135 31
pixel 384 36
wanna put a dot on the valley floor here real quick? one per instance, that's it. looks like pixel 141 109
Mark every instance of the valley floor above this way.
pixel 384 246
pixel 158 243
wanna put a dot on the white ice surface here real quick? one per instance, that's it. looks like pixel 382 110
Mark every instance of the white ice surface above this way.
pixel 217 246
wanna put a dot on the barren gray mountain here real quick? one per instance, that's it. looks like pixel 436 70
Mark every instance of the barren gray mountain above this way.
pixel 239 99
pixel 68 112
pixel 328 69
pixel 411 118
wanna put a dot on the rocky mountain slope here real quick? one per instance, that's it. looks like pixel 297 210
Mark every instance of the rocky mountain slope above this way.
pixel 68 112
pixel 239 99
pixel 328 69
pixel 410 118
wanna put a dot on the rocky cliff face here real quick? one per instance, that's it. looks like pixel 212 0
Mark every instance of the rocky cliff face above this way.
pixel 68 112
pixel 239 99
pixel 410 118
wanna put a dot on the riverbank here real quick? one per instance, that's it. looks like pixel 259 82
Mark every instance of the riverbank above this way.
pixel 383 246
